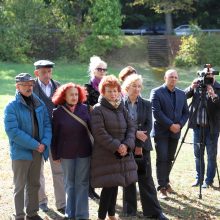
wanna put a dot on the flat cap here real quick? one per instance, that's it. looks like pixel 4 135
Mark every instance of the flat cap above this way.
pixel 43 63
pixel 23 77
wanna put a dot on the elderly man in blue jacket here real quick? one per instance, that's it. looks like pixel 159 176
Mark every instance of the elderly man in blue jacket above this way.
pixel 170 112
pixel 28 127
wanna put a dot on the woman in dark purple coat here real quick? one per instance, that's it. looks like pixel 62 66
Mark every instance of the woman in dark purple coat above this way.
pixel 71 145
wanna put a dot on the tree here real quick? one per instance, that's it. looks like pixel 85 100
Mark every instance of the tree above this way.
pixel 103 27
pixel 168 7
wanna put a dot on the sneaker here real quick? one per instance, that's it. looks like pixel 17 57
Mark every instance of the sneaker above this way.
pixel 169 189
pixel 195 183
pixel 163 193
pixel 44 207
pixel 206 185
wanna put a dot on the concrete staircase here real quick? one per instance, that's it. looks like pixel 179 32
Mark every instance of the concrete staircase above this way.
pixel 158 51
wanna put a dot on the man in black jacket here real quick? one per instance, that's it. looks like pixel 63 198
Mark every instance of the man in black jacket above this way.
pixel 44 88
pixel 209 117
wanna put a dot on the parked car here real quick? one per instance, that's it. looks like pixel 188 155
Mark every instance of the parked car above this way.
pixel 146 29
pixel 143 30
pixel 186 29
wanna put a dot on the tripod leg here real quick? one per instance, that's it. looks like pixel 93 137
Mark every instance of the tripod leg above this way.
pixel 201 150
pixel 177 153
pixel 218 174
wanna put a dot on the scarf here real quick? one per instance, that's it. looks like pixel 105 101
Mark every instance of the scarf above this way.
pixel 116 103
pixel 95 83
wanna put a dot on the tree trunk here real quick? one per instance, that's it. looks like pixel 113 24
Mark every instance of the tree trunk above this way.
pixel 169 23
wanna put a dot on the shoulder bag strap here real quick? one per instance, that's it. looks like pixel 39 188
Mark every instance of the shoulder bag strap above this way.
pixel 81 122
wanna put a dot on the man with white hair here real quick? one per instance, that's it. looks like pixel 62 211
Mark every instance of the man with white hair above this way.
pixel 208 117
pixel 170 112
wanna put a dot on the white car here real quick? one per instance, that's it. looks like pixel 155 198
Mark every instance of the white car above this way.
pixel 183 30
pixel 186 29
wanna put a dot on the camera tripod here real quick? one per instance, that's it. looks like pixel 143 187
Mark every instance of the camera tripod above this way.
pixel 202 104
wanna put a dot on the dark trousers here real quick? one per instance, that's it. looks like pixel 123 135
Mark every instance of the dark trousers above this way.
pixel 107 202
pixel 148 194
pixel 166 149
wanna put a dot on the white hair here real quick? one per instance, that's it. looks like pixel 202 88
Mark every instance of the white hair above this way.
pixel 131 79
pixel 168 72
pixel 95 61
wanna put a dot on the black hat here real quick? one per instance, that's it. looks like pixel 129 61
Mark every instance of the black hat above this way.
pixel 43 63
pixel 23 77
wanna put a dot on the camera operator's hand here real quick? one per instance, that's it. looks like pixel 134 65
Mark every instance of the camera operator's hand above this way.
pixel 175 128
pixel 194 84
pixel 211 92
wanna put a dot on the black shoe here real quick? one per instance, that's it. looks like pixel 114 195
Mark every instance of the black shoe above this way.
pixel 35 217
pixel 62 210
pixel 129 215
pixel 66 218
pixel 160 216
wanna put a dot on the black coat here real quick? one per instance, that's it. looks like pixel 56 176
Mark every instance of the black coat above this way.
pixel 93 95
pixel 47 100
pixel 144 121
pixel 213 108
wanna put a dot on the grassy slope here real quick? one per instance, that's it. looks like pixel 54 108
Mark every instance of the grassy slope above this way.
pixel 185 204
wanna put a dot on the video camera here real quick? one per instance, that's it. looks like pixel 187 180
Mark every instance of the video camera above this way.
pixel 204 78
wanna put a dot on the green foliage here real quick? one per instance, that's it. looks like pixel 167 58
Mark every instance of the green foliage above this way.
pixel 188 53
pixel 103 21
pixel 198 49
pixel 209 49
pixel 167 6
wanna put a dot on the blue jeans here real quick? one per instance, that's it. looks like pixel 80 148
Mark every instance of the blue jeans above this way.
pixel 210 142
pixel 76 180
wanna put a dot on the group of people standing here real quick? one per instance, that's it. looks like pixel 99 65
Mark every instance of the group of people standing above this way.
pixel 96 136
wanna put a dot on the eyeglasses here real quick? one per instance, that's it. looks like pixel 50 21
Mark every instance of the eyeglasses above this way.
pixel 101 69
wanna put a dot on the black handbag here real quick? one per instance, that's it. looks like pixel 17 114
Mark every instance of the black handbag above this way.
pixel 141 163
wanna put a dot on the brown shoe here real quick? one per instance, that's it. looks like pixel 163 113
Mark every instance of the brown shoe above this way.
pixel 163 193
pixel 170 189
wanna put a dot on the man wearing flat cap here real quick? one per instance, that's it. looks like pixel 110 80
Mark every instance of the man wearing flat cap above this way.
pixel 44 88
pixel 28 127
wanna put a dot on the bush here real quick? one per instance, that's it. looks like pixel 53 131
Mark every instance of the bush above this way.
pixel 209 49
pixel 198 49
pixel 188 53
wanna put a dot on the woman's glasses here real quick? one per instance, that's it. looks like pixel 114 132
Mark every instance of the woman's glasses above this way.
pixel 101 69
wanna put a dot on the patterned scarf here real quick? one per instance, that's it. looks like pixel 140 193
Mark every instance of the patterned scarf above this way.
pixel 116 103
